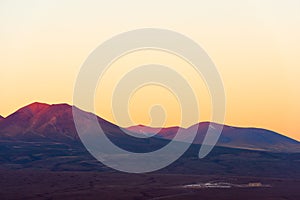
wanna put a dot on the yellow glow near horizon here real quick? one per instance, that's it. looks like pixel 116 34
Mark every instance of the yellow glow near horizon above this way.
pixel 254 44
pixel 151 95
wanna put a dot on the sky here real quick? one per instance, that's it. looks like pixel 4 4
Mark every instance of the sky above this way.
pixel 254 44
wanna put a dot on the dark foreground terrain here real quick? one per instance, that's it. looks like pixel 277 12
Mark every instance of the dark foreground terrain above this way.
pixel 34 184
pixel 51 170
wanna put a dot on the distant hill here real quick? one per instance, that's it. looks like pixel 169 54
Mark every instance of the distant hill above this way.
pixel 233 137
pixel 39 121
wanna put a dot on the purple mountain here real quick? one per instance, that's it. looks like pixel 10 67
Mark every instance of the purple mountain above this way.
pixel 39 121
pixel 233 137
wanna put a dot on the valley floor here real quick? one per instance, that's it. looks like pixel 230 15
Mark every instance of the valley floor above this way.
pixel 37 184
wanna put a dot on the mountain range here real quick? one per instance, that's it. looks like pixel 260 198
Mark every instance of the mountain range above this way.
pixel 39 121
pixel 42 136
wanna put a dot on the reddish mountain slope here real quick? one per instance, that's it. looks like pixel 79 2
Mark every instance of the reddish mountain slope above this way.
pixel 39 120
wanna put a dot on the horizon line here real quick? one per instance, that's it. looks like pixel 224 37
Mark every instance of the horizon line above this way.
pixel 173 126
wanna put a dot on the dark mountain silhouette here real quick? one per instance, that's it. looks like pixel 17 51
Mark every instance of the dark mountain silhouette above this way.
pixel 233 137
pixel 39 121
pixel 1 117
pixel 42 136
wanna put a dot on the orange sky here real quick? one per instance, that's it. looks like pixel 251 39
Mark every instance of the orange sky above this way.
pixel 254 44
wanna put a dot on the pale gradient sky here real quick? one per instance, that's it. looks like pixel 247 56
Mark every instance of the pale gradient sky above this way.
pixel 254 44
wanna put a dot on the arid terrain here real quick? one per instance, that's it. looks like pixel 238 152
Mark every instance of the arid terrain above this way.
pixel 56 171
pixel 33 184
